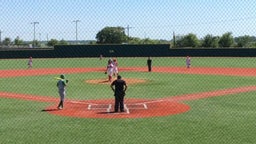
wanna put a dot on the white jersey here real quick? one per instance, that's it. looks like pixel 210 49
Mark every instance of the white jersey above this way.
pixel 110 69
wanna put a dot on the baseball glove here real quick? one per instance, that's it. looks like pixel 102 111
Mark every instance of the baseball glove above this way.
pixel 105 73
pixel 66 81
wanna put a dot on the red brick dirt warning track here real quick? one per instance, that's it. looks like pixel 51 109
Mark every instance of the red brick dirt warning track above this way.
pixel 134 108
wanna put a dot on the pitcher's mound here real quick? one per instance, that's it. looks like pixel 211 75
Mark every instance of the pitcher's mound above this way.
pixel 105 81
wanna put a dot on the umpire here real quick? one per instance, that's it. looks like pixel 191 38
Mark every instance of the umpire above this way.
pixel 149 63
pixel 119 87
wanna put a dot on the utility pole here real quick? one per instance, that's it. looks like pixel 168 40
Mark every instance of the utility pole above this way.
pixel 174 40
pixel 34 24
pixel 128 32
pixel 40 39
pixel 76 21
pixel 0 38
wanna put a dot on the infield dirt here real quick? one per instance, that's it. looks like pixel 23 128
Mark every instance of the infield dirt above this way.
pixel 135 108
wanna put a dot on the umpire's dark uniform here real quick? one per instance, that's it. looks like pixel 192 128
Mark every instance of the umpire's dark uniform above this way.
pixel 149 63
pixel 119 93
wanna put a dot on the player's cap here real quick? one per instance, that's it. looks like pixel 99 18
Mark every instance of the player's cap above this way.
pixel 119 77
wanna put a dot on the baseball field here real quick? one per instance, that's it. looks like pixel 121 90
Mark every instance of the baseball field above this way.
pixel 211 102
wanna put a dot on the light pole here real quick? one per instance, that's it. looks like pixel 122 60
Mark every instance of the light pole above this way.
pixel 174 40
pixel 76 21
pixel 34 24
pixel 1 38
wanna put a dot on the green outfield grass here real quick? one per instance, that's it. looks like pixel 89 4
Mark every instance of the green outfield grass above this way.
pixel 229 119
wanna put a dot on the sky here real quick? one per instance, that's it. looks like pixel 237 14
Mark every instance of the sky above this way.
pixel 154 19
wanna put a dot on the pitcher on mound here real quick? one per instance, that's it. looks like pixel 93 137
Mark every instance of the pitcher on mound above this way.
pixel 109 70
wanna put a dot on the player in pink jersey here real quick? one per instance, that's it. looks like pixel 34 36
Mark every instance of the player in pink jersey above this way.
pixel 30 63
pixel 188 62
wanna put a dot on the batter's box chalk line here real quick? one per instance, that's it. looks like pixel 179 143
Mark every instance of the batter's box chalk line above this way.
pixel 137 106
pixel 98 106
pixel 108 107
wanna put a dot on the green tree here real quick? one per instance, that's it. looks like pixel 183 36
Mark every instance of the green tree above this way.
pixel 7 41
pixel 111 35
pixel 253 45
pixel 52 42
pixel 135 40
pixel 189 40
pixel 35 43
pixel 63 42
pixel 210 41
pixel 18 41
pixel 226 40
pixel 243 41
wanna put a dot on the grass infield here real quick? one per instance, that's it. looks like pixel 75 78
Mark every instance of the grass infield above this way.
pixel 227 119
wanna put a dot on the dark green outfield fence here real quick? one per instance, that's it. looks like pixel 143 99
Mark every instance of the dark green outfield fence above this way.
pixel 163 50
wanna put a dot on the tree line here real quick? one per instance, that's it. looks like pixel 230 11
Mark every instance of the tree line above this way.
pixel 210 41
pixel 117 35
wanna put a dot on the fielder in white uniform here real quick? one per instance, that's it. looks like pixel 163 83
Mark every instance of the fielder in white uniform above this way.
pixel 110 71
